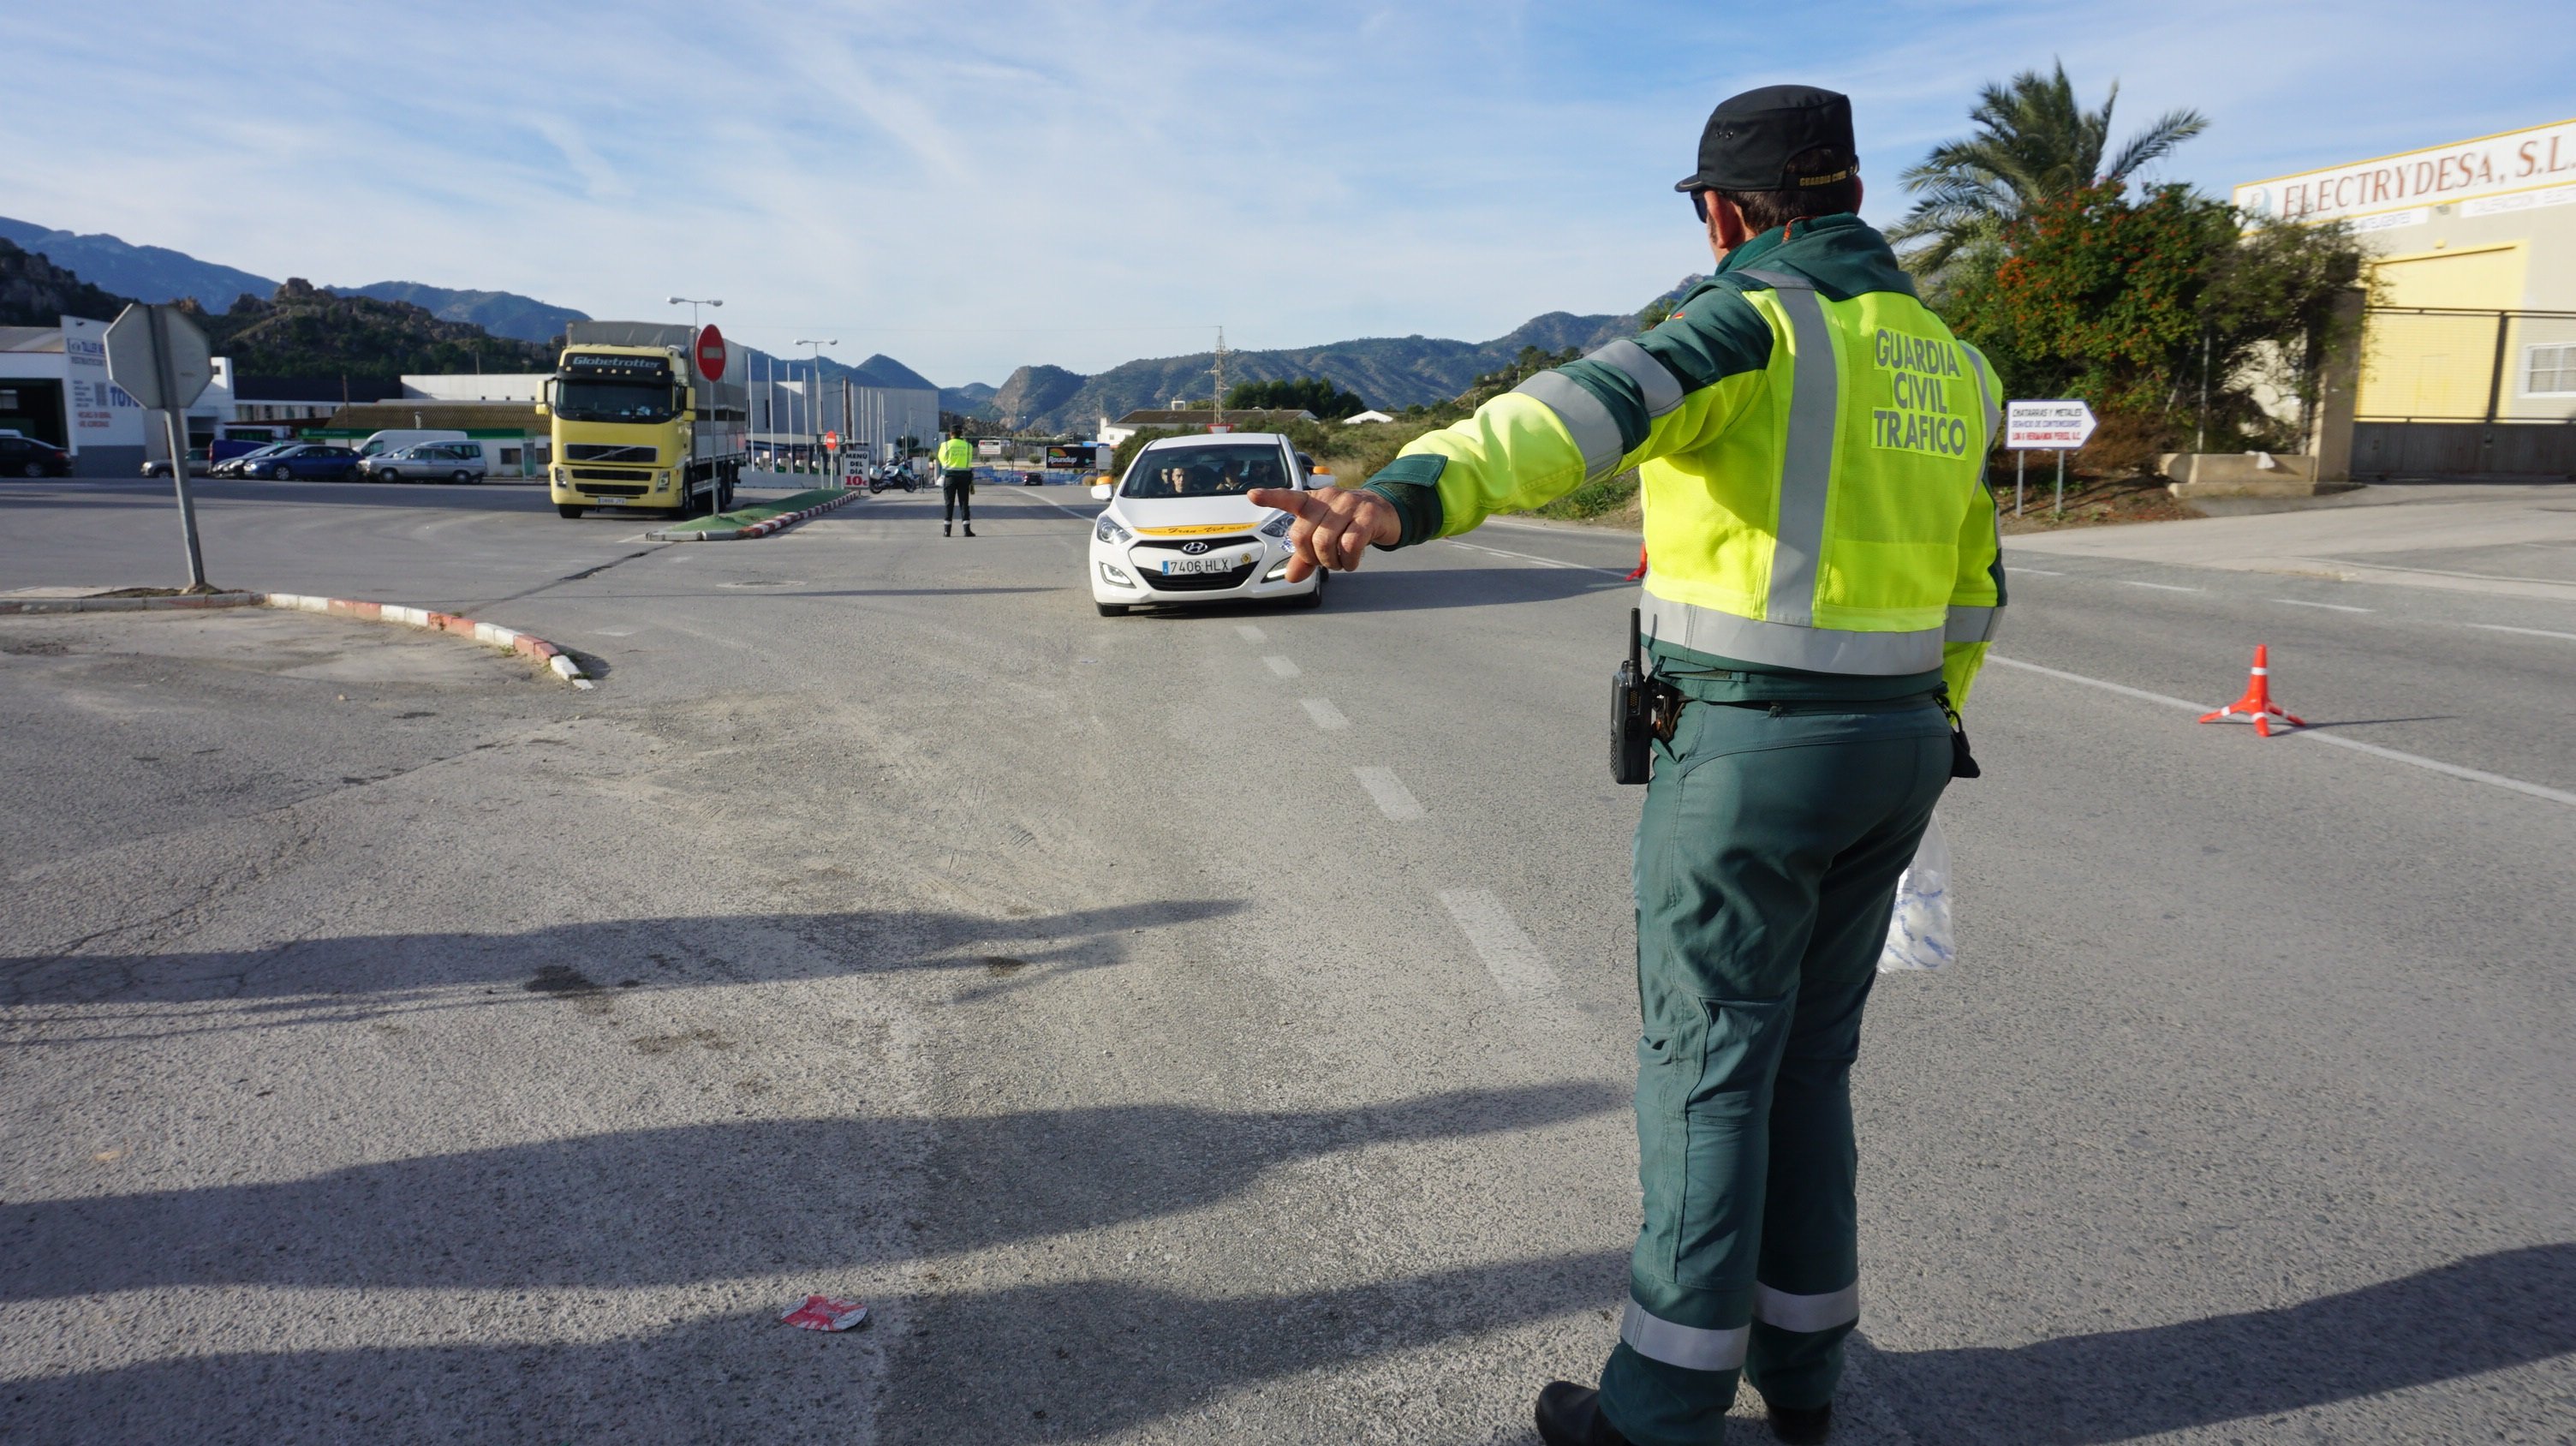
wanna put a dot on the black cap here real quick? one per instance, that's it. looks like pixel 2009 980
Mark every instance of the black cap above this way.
pixel 1749 139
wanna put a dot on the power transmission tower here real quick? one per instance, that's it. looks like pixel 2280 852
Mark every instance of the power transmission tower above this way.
pixel 1220 376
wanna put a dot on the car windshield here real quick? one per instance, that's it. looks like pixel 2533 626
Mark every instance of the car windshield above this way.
pixel 580 399
pixel 1225 470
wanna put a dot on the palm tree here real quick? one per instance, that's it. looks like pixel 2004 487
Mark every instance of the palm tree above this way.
pixel 2033 144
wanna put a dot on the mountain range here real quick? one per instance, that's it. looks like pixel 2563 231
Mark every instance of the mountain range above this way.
pixel 157 273
pixel 1390 372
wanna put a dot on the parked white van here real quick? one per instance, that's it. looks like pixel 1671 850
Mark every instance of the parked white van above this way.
pixel 380 443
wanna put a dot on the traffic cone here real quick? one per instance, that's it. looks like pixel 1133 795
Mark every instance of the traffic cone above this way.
pixel 2257 703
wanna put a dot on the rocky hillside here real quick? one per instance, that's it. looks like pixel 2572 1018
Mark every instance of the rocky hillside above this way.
pixel 305 331
pixel 502 313
pixel 36 292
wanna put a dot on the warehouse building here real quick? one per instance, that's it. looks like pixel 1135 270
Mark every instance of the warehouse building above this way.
pixel 2468 358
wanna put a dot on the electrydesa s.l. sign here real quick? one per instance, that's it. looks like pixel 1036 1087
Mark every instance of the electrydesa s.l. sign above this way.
pixel 2542 159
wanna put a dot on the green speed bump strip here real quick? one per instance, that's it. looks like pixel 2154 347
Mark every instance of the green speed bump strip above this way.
pixel 757 521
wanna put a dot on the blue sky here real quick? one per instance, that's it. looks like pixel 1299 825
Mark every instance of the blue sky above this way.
pixel 973 186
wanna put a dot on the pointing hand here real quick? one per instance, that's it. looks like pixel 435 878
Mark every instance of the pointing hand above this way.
pixel 1334 528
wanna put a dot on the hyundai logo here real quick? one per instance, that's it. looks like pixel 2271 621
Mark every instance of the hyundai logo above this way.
pixel 1193 548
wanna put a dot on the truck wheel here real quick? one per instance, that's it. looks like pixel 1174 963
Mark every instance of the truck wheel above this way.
pixel 566 509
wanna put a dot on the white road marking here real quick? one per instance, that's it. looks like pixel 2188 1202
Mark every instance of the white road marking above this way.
pixel 1326 716
pixel 2160 586
pixel 2526 632
pixel 2304 603
pixel 614 632
pixel 2473 775
pixel 1509 954
pixel 1250 634
pixel 1282 666
pixel 2016 570
pixel 1618 572
pixel 1393 798
pixel 1068 511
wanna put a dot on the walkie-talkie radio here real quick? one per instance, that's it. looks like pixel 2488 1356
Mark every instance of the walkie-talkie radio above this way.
pixel 1632 713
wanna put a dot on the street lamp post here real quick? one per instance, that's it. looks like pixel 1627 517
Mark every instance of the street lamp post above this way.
pixel 814 390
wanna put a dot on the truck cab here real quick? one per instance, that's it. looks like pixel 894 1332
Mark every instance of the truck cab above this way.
pixel 634 426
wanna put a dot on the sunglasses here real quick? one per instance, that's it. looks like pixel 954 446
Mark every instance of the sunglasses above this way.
pixel 1699 206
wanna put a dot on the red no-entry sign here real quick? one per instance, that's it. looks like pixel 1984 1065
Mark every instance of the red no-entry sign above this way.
pixel 711 353
pixel 831 441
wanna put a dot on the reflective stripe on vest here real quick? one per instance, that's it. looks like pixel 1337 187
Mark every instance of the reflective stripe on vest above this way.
pixel 1971 624
pixel 1985 393
pixel 1807 458
pixel 1806 1312
pixel 1788 645
pixel 1689 1347
pixel 1587 421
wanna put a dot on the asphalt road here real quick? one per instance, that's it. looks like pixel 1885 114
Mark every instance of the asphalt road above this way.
pixel 1213 1026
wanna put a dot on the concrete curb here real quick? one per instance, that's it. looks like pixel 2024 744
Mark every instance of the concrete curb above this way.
pixel 527 645
pixel 761 528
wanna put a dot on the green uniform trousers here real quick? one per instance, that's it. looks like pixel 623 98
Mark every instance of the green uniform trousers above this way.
pixel 1766 867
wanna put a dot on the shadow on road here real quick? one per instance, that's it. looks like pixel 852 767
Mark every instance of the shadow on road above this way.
pixel 2480 1314
pixel 369 976
pixel 710 1202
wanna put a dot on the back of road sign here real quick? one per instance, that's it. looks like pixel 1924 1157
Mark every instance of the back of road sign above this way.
pixel 132 362
pixel 2049 426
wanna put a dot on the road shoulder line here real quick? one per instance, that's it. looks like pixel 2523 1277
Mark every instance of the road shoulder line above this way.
pixel 2417 760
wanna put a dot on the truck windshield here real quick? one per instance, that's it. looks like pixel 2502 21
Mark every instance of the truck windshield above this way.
pixel 580 399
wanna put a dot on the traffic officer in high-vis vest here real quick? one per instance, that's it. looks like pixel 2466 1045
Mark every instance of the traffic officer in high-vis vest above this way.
pixel 1824 577
pixel 956 483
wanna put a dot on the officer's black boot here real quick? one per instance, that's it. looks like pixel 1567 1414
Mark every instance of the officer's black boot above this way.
pixel 1570 1415
pixel 948 529
pixel 970 529
pixel 1801 1425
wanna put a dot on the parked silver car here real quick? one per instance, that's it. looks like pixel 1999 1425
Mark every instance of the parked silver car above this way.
pixel 428 462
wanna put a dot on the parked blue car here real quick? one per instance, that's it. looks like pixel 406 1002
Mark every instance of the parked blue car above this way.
pixel 310 462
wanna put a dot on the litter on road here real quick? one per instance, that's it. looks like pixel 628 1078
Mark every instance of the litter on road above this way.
pixel 825 1313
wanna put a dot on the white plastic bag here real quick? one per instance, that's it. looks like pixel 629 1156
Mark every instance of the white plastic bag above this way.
pixel 1918 933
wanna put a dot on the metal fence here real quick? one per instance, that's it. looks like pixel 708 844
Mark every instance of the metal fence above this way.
pixel 2438 364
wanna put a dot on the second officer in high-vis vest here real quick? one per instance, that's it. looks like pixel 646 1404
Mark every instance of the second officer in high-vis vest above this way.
pixel 1825 576
pixel 956 483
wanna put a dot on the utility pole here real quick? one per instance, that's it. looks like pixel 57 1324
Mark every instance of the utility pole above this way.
pixel 1219 401
pixel 814 389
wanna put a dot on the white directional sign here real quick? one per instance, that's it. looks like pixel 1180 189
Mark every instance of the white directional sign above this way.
pixel 134 364
pixel 2056 426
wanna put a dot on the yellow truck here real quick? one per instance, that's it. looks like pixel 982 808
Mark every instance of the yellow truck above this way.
pixel 635 423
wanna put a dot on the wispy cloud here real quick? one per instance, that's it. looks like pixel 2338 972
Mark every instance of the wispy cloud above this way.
pixel 972 186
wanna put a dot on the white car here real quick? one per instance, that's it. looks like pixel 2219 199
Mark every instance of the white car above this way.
pixel 1178 530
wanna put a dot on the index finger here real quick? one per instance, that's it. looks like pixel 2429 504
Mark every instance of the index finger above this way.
pixel 1288 499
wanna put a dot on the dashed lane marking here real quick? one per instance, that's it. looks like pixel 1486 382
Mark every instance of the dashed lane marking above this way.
pixel 1509 954
pixel 2473 775
pixel 1393 799
pixel 1531 557
pixel 1284 667
pixel 1250 634
pixel 2526 632
pixel 2016 570
pixel 1326 716
pixel 2300 602
pixel 2159 586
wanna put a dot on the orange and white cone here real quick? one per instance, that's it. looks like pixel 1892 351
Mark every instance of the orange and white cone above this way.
pixel 2257 703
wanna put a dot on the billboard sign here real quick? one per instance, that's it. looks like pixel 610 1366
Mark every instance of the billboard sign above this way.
pixel 2483 173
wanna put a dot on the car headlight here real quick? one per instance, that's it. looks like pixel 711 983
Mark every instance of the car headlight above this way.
pixel 1278 526
pixel 1110 532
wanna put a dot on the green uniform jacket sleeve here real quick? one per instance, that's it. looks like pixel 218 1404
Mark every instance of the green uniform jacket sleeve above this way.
pixel 1674 389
